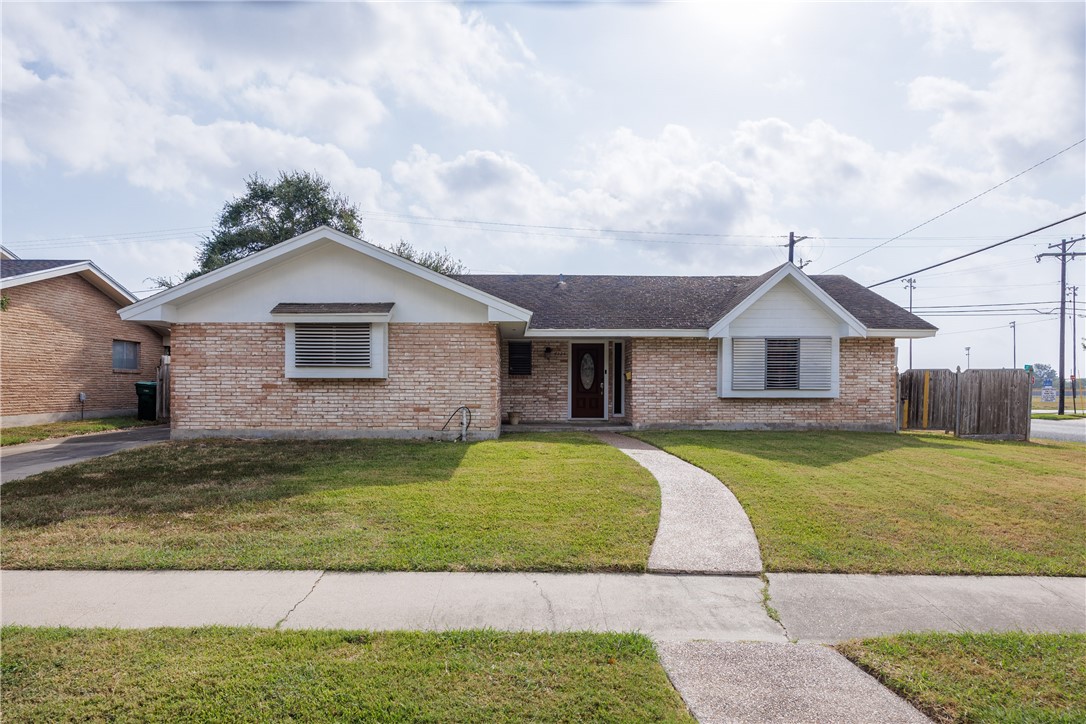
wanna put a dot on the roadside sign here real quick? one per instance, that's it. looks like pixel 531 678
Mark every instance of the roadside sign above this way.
pixel 1028 368
pixel 1047 383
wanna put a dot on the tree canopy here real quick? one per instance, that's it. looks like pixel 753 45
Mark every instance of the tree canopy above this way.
pixel 270 212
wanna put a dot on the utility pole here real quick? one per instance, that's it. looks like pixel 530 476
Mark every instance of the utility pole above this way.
pixel 1074 347
pixel 967 357
pixel 1064 255
pixel 1014 347
pixel 910 284
pixel 792 241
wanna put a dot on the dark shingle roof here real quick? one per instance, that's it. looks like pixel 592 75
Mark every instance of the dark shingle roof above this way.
pixel 18 267
pixel 645 302
pixel 333 308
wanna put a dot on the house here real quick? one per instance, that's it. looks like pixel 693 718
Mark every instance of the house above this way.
pixel 325 335
pixel 60 338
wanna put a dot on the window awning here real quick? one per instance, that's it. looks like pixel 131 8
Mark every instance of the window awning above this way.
pixel 295 312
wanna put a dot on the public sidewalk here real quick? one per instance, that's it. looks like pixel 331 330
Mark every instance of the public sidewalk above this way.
pixel 813 607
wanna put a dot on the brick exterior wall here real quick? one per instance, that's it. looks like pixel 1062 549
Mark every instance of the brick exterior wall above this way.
pixel 56 340
pixel 228 379
pixel 675 384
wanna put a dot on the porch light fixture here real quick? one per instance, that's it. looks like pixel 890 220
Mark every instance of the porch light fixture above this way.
pixel 547 352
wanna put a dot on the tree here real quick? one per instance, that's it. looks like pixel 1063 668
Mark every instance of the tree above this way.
pixel 1042 372
pixel 440 261
pixel 272 212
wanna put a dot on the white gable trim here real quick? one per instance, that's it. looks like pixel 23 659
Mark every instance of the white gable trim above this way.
pixel 855 327
pixel 6 253
pixel 160 306
pixel 86 269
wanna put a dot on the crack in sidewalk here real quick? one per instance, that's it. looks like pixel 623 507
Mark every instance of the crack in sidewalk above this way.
pixel 293 608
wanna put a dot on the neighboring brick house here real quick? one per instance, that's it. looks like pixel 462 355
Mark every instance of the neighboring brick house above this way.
pixel 60 336
pixel 326 335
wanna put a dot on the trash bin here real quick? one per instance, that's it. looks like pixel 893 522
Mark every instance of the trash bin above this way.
pixel 146 393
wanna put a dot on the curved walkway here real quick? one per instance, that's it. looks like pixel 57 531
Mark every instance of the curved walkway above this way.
pixel 703 528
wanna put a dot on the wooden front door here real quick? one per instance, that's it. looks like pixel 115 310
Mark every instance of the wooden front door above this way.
pixel 586 379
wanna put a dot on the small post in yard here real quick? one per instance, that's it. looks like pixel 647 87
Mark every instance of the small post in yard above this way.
pixel 463 424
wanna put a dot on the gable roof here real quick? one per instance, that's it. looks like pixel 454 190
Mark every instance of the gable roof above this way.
pixel 156 308
pixel 16 272
pixel 670 302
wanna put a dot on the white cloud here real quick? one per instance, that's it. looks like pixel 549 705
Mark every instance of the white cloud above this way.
pixel 174 97
pixel 1034 100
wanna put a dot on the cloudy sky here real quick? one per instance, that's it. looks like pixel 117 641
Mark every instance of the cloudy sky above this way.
pixel 580 138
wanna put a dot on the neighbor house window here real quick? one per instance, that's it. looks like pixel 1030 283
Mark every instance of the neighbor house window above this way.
pixel 520 358
pixel 789 363
pixel 126 355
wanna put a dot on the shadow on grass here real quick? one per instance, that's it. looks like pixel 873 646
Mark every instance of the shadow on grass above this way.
pixel 186 477
pixel 812 449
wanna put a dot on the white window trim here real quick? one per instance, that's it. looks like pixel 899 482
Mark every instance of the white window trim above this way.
pixel 378 368
pixel 724 375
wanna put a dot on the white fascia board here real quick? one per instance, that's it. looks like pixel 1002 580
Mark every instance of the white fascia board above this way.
pixel 6 253
pixel 86 269
pixel 221 275
pixel 856 327
pixel 902 333
pixel 615 333
pixel 327 318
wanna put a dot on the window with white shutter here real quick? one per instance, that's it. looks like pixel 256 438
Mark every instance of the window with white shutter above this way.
pixel 815 363
pixel 748 364
pixel 778 367
pixel 332 345
pixel 342 350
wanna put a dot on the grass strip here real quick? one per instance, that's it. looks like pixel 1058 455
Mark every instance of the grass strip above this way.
pixel 837 502
pixel 250 675
pixel 67 428
pixel 544 502
pixel 1004 677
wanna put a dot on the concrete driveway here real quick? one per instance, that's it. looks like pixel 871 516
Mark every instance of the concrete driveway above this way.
pixel 20 461
pixel 1063 430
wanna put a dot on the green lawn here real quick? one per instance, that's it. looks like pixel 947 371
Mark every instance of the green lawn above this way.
pixel 1045 416
pixel 557 502
pixel 31 433
pixel 1011 677
pixel 249 675
pixel 907 503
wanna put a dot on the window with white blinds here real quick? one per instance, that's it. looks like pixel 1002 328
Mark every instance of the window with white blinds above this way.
pixel 795 363
pixel 332 345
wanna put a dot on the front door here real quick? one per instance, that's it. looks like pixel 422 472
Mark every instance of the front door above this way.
pixel 587 381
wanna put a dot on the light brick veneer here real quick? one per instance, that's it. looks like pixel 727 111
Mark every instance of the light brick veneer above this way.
pixel 675 385
pixel 229 380
pixel 56 340
pixel 542 396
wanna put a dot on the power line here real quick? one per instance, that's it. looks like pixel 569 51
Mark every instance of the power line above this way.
pixel 988 329
pixel 977 251
pixel 955 208
pixel 90 237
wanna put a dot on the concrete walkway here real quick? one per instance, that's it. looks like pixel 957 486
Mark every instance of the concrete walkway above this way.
pixel 663 607
pixel 20 461
pixel 769 683
pixel 835 607
pixel 703 528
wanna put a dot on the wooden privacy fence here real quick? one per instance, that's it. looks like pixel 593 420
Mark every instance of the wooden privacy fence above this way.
pixel 975 403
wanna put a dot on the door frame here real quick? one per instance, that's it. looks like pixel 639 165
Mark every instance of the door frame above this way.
pixel 606 378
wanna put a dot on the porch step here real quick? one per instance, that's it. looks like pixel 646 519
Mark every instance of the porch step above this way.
pixel 570 426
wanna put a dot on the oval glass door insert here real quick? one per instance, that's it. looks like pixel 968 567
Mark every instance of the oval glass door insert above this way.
pixel 588 371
